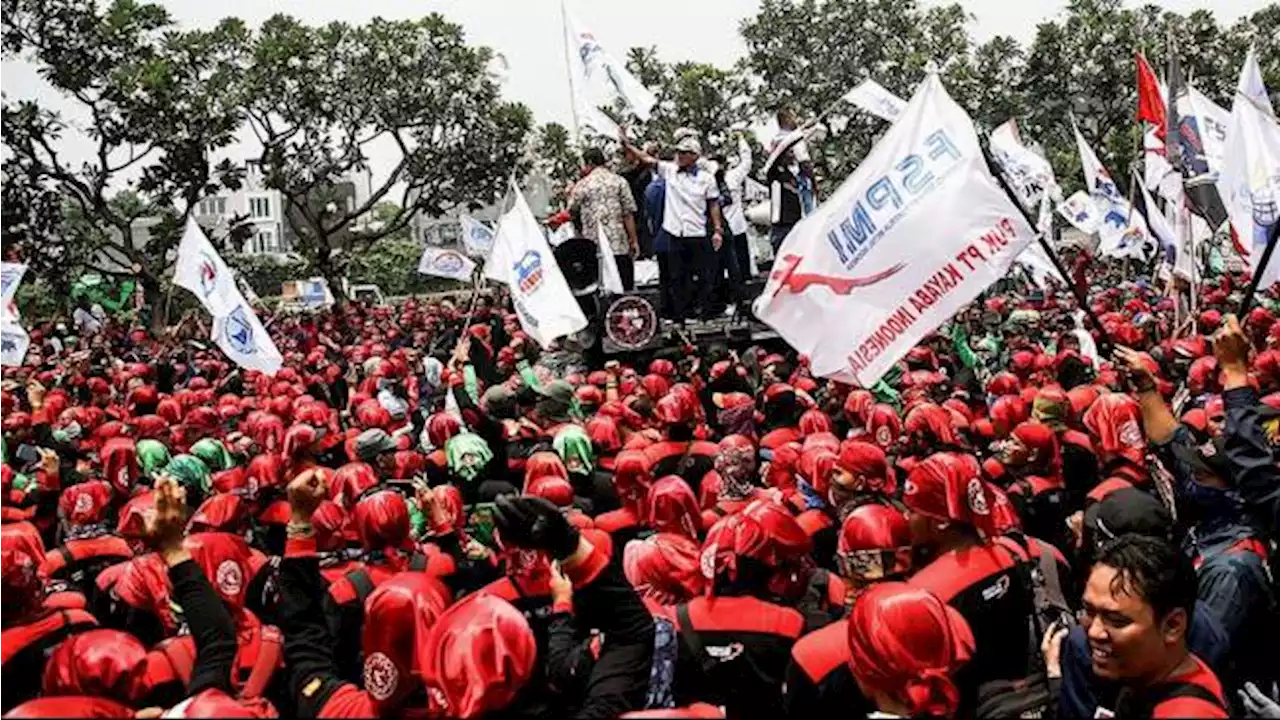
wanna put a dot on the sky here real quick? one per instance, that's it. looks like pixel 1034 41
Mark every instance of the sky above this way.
pixel 528 34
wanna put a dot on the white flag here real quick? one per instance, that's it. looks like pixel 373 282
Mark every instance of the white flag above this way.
pixel 1251 83
pixel 477 238
pixel 1081 212
pixel 13 338
pixel 201 270
pixel 1122 233
pixel 1027 171
pixel 1250 179
pixel 610 278
pixel 871 96
pixel 245 341
pixel 915 233
pixel 598 77
pixel 446 264
pixel 522 259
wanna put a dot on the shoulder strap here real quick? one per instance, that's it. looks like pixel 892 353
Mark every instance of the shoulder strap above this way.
pixel 691 636
pixel 361 583
pixel 17 639
pixel 270 649
pixel 1131 704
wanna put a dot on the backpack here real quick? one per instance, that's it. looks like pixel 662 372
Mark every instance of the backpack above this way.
pixel 1030 696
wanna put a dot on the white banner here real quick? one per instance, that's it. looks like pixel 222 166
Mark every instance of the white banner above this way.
pixel 13 338
pixel 871 96
pixel 201 270
pixel 446 264
pixel 245 341
pixel 477 238
pixel 1081 212
pixel 1212 120
pixel 1250 179
pixel 522 259
pixel 1026 170
pixel 1122 233
pixel 915 233
pixel 598 78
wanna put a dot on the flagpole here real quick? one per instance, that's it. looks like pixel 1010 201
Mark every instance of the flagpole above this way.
pixel 1258 272
pixel 1106 344
pixel 568 69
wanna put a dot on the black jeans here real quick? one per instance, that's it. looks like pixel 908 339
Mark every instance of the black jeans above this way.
pixel 742 254
pixel 778 233
pixel 690 257
pixel 730 264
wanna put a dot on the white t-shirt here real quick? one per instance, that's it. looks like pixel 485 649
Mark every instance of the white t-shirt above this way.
pixel 684 210
pixel 734 213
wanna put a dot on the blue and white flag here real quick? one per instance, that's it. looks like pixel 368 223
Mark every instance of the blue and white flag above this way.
pixel 1081 212
pixel 598 79
pixel 1156 222
pixel 1122 233
pixel 10 278
pixel 245 341
pixel 1250 178
pixel 477 238
pixel 522 259
pixel 446 263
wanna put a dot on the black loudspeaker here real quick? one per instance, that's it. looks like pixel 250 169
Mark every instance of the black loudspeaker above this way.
pixel 580 264
pixel 631 322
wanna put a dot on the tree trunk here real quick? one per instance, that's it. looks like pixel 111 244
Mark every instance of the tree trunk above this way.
pixel 332 274
pixel 156 299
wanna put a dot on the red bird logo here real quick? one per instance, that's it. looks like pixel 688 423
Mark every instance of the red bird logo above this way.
pixel 798 283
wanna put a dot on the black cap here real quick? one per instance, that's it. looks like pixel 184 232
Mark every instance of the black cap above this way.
pixel 1209 458
pixel 1128 510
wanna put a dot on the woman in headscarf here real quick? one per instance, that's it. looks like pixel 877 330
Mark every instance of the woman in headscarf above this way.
pixel 193 475
pixel 1030 470
pixel 905 647
pixel 470 461
pixel 632 480
pixel 153 456
pixel 574 446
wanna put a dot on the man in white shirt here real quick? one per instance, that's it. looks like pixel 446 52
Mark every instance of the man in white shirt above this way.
pixel 691 199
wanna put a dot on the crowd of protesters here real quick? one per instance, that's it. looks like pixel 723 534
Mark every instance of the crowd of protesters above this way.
pixel 424 514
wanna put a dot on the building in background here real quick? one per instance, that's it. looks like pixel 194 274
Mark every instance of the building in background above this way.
pixel 265 213
pixel 443 230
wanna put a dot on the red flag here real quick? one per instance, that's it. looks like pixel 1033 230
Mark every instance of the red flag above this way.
pixel 1150 104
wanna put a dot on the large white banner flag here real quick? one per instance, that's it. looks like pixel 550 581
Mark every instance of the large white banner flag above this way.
pixel 200 269
pixel 477 238
pixel 1250 179
pixel 872 97
pixel 915 233
pixel 1122 233
pixel 522 259
pixel 446 263
pixel 13 338
pixel 598 77
pixel 245 341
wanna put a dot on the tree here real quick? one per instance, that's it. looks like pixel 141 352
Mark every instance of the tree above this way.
pixel 319 98
pixel 556 156
pixel 158 101
pixel 806 54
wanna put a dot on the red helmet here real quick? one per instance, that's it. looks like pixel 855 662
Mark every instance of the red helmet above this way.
pixel 673 507
pixel 398 616
pixel 664 568
pixel 477 656
pixel 98 662
pixel 381 520
pixel 675 409
pixel 440 427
